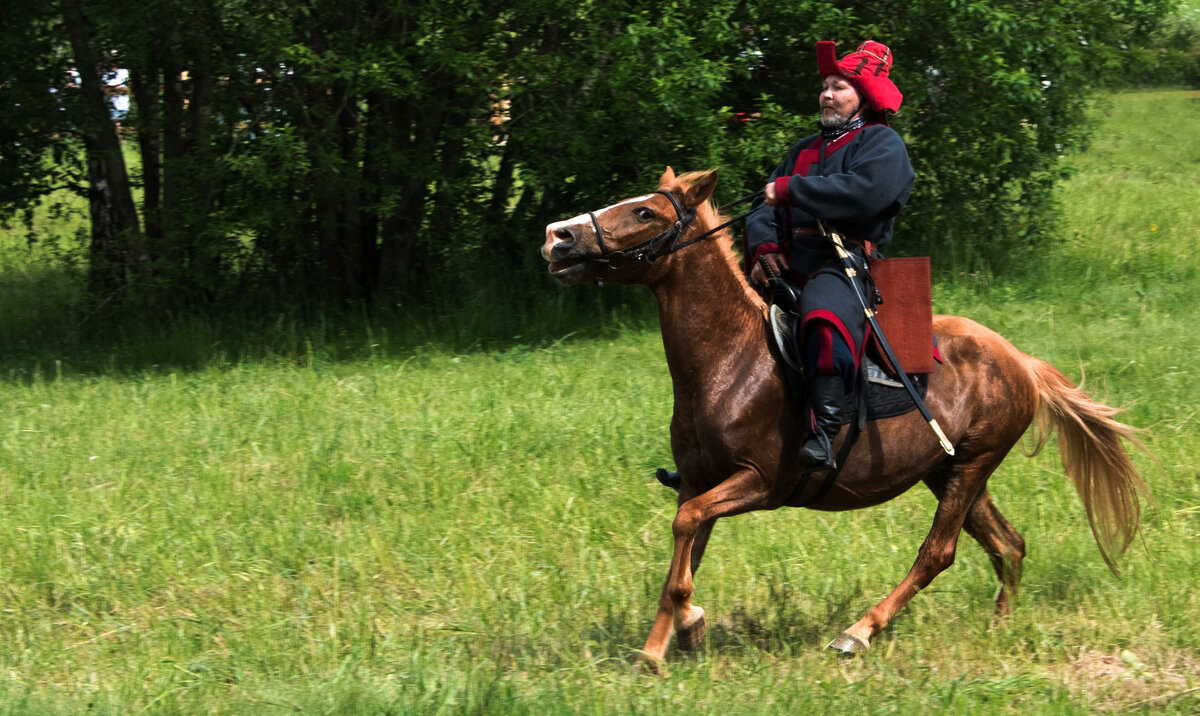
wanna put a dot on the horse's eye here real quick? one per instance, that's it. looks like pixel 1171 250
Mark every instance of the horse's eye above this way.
pixel 643 214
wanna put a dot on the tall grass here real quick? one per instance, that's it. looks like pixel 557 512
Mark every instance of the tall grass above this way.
pixel 329 520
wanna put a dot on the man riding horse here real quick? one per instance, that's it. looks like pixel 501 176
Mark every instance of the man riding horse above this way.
pixel 731 418
pixel 854 176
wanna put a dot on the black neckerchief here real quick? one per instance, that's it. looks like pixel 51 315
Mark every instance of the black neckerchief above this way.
pixel 832 133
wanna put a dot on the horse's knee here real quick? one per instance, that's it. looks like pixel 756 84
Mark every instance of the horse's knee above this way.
pixel 686 523
pixel 1013 552
pixel 945 560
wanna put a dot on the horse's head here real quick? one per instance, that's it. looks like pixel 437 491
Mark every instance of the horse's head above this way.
pixel 619 243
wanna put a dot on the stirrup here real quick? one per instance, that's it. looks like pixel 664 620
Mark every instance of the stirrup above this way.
pixel 809 460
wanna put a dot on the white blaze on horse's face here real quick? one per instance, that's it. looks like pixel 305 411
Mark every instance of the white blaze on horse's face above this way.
pixel 562 236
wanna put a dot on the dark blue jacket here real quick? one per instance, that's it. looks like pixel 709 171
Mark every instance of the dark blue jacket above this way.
pixel 856 189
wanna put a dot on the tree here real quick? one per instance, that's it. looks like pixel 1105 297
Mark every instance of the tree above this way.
pixel 39 152
pixel 367 151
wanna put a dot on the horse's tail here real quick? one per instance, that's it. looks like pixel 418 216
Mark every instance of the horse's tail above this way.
pixel 1093 456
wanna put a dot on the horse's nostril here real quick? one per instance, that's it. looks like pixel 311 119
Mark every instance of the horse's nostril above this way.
pixel 563 233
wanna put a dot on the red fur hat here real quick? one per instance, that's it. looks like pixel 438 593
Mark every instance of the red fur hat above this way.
pixel 867 69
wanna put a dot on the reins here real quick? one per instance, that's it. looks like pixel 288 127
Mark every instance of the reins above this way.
pixel 734 220
pixel 651 250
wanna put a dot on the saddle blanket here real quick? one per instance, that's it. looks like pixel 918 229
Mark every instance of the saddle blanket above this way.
pixel 886 396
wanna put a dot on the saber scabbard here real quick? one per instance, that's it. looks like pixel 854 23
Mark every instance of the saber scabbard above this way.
pixel 851 272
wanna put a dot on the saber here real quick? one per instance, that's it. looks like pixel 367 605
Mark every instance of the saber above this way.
pixel 848 266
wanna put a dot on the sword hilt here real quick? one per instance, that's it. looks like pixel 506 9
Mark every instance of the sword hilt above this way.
pixel 768 268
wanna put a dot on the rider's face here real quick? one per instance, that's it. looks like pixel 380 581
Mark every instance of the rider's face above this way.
pixel 840 101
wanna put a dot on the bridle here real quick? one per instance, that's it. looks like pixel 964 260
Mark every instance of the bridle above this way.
pixel 649 250
pixel 664 243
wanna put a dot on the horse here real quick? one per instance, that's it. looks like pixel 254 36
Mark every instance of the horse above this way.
pixel 735 432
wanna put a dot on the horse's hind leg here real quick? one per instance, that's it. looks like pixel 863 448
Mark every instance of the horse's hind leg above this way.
pixel 1003 545
pixel 956 489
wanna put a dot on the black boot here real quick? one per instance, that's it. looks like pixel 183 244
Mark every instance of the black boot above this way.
pixel 826 401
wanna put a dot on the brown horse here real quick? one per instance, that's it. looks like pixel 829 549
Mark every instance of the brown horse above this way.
pixel 734 432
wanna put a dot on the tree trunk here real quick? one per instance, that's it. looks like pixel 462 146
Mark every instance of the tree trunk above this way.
pixel 376 139
pixel 116 238
pixel 203 257
pixel 351 225
pixel 403 261
pixel 174 148
pixel 145 78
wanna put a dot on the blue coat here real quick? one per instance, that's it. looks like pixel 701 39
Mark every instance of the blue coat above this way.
pixel 857 188
pixel 856 185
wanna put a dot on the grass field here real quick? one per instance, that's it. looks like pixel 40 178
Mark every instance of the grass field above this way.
pixel 332 523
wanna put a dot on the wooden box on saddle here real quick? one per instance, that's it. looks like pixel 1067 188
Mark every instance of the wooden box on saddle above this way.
pixel 906 314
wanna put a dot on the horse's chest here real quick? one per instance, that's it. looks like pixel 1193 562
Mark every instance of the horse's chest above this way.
pixel 725 431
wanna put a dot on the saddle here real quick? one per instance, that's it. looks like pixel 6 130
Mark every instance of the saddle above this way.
pixel 879 393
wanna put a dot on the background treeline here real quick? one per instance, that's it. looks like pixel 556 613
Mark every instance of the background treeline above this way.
pixel 374 150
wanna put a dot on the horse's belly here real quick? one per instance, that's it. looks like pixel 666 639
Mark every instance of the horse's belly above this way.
pixel 889 458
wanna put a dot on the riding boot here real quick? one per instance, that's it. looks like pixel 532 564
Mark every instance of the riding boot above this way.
pixel 826 402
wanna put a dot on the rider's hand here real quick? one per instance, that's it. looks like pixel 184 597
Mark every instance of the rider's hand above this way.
pixel 769 195
pixel 778 262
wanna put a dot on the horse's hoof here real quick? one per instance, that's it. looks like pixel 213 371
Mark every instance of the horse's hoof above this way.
pixel 847 643
pixel 654 665
pixel 690 637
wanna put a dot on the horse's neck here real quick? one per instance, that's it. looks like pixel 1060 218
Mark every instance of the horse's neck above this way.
pixel 707 313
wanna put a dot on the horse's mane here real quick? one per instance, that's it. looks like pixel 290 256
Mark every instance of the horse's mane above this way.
pixel 707 216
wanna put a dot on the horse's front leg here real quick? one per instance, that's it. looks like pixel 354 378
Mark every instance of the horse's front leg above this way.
pixel 742 492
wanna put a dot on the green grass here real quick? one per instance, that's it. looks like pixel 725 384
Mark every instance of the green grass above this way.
pixel 330 521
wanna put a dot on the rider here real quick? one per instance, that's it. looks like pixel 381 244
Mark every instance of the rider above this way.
pixel 854 176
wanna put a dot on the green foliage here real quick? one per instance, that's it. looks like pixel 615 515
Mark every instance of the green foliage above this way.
pixel 1169 56
pixel 39 153
pixel 380 150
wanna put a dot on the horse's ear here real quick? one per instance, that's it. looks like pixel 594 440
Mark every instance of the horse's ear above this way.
pixel 667 177
pixel 701 189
